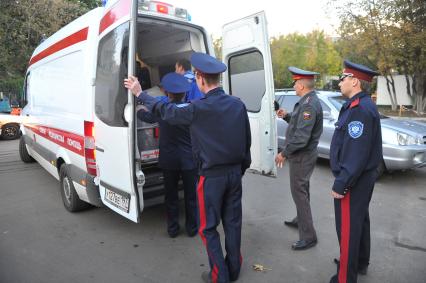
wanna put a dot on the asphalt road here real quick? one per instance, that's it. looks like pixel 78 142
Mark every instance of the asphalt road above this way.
pixel 41 242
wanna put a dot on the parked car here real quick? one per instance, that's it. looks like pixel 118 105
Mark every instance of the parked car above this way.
pixel 404 141
pixel 9 126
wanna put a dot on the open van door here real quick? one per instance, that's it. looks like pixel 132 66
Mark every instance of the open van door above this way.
pixel 114 120
pixel 246 52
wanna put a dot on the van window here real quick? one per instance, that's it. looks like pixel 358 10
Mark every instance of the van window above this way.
pixel 110 94
pixel 247 79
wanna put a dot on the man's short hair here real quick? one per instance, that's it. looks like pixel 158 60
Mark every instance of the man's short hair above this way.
pixel 177 96
pixel 365 86
pixel 212 79
pixel 184 63
pixel 310 84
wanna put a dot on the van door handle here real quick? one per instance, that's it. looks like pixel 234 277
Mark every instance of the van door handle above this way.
pixel 100 149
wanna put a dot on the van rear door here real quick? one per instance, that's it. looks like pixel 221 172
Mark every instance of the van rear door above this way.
pixel 114 121
pixel 246 52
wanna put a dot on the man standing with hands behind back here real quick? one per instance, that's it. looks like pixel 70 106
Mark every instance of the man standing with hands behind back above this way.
pixel 300 148
pixel 355 154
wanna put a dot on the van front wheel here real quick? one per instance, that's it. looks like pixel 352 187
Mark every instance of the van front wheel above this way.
pixel 69 196
pixel 23 152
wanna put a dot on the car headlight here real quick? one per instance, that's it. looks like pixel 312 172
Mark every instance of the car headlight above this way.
pixel 405 139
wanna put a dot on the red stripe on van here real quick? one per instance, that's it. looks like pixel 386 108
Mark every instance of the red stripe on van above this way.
pixel 119 10
pixel 74 38
pixel 70 141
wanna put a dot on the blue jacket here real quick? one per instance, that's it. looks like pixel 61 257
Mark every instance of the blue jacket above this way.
pixel 356 146
pixel 175 144
pixel 219 127
pixel 194 93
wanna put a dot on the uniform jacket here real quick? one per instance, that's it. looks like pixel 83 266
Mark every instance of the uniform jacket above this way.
pixel 305 125
pixel 175 144
pixel 219 127
pixel 356 146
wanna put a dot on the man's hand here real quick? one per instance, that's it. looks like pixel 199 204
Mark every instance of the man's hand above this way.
pixel 281 113
pixel 279 160
pixel 336 195
pixel 133 85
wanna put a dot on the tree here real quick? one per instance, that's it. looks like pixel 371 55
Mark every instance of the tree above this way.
pixel 387 35
pixel 23 24
pixel 313 51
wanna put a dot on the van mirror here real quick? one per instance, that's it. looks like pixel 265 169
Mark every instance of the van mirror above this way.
pixel 327 115
pixel 128 112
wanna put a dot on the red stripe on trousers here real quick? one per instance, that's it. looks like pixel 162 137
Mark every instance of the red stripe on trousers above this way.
pixel 202 208
pixel 215 272
pixel 345 228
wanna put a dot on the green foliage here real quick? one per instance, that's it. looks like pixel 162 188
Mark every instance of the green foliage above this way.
pixel 388 35
pixel 12 86
pixel 23 23
pixel 313 51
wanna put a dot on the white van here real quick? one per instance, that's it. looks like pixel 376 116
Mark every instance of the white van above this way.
pixel 83 128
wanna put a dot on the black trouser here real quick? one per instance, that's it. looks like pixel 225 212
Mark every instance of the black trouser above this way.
pixel 171 180
pixel 353 228
pixel 302 165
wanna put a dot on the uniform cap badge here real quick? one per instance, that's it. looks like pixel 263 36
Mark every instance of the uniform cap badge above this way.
pixel 355 129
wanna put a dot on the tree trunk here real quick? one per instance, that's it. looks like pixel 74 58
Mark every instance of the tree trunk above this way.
pixel 391 83
pixel 420 91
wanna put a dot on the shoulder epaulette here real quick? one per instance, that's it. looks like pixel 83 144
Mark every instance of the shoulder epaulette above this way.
pixel 354 103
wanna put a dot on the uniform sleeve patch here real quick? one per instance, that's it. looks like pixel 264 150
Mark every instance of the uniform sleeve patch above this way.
pixel 355 129
pixel 307 115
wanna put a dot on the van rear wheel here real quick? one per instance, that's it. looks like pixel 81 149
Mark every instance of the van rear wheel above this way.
pixel 69 196
pixel 23 152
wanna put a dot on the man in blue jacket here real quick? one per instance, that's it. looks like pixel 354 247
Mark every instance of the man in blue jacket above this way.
pixel 355 154
pixel 176 159
pixel 183 67
pixel 221 140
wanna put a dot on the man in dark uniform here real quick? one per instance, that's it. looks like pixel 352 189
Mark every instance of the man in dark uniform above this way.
pixel 355 154
pixel 221 140
pixel 300 148
pixel 176 159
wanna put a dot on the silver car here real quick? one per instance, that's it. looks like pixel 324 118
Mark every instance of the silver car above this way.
pixel 404 141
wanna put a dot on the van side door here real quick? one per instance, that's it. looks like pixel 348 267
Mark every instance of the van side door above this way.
pixel 114 122
pixel 246 52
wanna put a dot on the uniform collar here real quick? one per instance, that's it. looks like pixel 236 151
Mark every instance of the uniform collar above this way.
pixel 189 75
pixel 214 91
pixel 305 97
pixel 359 95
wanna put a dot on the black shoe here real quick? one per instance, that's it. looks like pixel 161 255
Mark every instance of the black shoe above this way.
pixel 206 277
pixel 173 234
pixel 303 244
pixel 361 270
pixel 292 224
pixel 191 233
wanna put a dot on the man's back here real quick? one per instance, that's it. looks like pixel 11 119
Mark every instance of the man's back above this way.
pixel 220 130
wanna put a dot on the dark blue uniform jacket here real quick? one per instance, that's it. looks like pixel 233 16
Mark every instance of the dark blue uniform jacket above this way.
pixel 219 127
pixel 356 146
pixel 175 144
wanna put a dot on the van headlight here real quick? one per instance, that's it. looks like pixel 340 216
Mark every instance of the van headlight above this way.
pixel 405 139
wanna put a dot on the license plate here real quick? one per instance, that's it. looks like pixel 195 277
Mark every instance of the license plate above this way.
pixel 118 200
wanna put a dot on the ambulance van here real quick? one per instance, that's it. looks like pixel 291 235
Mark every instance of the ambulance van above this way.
pixel 82 127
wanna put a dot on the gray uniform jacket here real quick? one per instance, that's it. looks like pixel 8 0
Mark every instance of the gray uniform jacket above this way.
pixel 305 126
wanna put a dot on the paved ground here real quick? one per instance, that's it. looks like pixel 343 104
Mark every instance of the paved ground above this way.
pixel 41 242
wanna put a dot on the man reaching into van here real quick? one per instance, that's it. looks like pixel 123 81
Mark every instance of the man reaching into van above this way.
pixel 221 140
pixel 176 159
